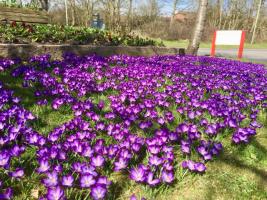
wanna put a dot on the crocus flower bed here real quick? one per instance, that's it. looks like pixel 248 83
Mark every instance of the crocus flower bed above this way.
pixel 141 117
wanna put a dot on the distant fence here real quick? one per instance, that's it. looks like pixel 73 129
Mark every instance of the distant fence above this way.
pixel 23 15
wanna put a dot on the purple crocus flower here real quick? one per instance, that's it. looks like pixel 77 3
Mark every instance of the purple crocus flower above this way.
pixel 87 151
pixel 51 180
pixel 4 159
pixel 200 167
pixel 44 166
pixel 210 130
pixel 183 128
pixel 255 124
pixel 168 166
pixel 218 146
pixel 55 193
pixel 207 156
pixel 98 192
pixel 17 150
pixel 184 164
pixel 2 126
pixel 8 194
pixel 67 180
pixel 137 174
pixel 202 150
pixel 133 197
pixel 121 164
pixel 191 115
pixel 103 180
pixel 173 136
pixel 191 165
pixel 154 160
pixel 29 116
pixel 101 104
pixel 18 173
pixel 97 161
pixel 87 169
pixel 151 181
pixel 161 121
pixel 58 168
pixel 87 180
pixel 232 123
pixel 204 122
pixel 153 149
pixel 185 147
pixel 77 167
pixel 167 177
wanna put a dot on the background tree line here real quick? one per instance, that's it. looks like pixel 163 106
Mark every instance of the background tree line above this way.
pixel 165 19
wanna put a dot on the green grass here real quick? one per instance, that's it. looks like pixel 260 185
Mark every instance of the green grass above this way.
pixel 184 44
pixel 253 61
pixel 240 172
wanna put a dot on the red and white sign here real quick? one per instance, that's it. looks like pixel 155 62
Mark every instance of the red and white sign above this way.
pixel 231 37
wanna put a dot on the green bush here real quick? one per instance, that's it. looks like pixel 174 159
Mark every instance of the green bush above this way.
pixel 55 34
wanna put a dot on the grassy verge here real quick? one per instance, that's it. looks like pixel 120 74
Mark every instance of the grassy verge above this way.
pixel 253 61
pixel 184 44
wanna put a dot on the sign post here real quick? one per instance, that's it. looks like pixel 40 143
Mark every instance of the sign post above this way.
pixel 228 37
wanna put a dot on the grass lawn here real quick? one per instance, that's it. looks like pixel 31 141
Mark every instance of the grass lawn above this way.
pixel 253 61
pixel 240 172
pixel 184 44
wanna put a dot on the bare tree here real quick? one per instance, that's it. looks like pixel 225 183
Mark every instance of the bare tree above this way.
pixel 88 7
pixel 44 4
pixel 73 12
pixel 130 15
pixel 256 22
pixel 175 3
pixel 199 27
pixel 66 13
pixel 219 7
pixel 148 17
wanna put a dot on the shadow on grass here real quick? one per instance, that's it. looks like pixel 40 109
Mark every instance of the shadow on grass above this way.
pixel 116 190
pixel 26 94
pixel 260 147
pixel 232 160
pixel 28 99
pixel 239 175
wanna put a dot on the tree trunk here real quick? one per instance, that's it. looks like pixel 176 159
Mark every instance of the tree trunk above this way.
pixel 199 28
pixel 175 2
pixel 220 4
pixel 256 22
pixel 66 13
pixel 113 14
pixel 44 4
pixel 118 15
pixel 73 13
pixel 130 15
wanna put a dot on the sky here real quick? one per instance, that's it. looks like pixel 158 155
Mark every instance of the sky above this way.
pixel 167 6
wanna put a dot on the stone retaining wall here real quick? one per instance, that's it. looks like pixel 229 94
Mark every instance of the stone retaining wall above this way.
pixel 27 50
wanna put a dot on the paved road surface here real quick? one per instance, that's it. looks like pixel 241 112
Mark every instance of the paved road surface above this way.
pixel 251 54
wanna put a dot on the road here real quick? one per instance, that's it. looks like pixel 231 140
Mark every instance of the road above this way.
pixel 259 55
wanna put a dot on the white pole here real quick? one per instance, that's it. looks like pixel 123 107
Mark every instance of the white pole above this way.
pixel 66 12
